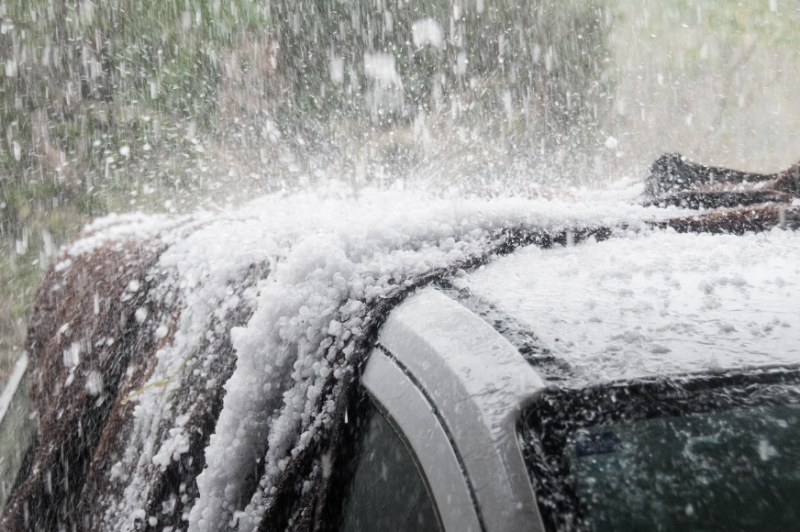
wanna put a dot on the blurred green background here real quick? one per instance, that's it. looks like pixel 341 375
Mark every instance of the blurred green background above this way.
pixel 165 106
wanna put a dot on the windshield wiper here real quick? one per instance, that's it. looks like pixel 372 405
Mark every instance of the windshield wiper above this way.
pixel 674 180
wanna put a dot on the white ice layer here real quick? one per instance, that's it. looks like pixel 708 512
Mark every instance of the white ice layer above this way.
pixel 656 303
pixel 330 256
pixel 341 255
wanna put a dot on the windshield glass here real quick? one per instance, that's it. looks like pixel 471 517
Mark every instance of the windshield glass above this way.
pixel 711 453
pixel 714 471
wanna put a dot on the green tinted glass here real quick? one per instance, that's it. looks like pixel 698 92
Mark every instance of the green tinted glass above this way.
pixel 387 491
pixel 731 470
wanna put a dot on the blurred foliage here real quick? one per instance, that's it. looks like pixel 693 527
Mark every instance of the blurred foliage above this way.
pixel 93 93
pixel 121 104
pixel 86 82
pixel 115 105
pixel 100 107
pixel 127 105
pixel 713 80
pixel 689 29
pixel 532 69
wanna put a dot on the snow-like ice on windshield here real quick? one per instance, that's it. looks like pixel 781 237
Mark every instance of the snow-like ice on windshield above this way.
pixel 330 256
pixel 656 303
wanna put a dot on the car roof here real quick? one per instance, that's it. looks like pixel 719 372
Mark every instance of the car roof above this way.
pixel 654 303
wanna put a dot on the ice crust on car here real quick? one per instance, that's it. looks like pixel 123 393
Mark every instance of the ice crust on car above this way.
pixel 313 305
pixel 656 303
pixel 289 282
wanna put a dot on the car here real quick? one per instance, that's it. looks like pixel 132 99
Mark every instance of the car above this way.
pixel 567 377
pixel 685 434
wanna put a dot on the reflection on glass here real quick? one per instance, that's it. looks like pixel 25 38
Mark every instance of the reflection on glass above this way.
pixel 726 471
pixel 387 493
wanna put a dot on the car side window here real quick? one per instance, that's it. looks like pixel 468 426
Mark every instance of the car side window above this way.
pixel 387 491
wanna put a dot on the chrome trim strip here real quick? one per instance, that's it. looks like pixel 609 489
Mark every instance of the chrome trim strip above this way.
pixel 415 418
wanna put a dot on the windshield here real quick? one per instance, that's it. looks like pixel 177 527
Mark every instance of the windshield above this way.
pixel 713 471
pixel 717 453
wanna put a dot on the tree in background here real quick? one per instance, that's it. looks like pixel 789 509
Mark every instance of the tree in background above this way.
pixel 119 105
pixel 533 69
